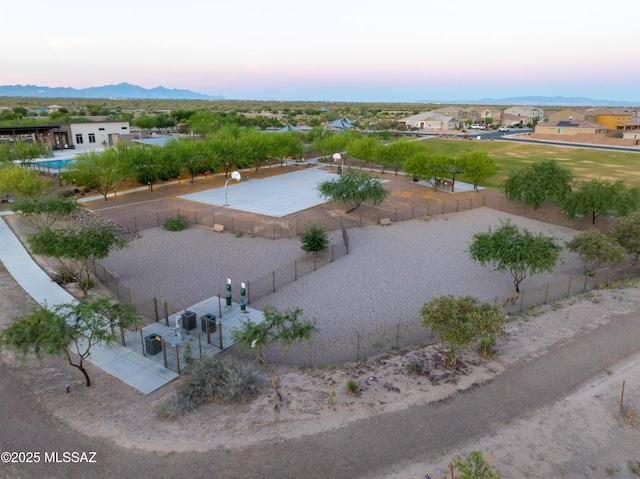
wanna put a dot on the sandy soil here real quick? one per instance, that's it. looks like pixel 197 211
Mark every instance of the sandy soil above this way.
pixel 584 426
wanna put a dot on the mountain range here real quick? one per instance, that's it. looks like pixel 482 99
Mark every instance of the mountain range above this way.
pixel 122 90
pixel 129 91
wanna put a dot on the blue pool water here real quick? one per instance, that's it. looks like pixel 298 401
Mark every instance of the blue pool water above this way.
pixel 53 164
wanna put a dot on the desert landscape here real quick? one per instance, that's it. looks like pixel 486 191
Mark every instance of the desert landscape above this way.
pixel 584 434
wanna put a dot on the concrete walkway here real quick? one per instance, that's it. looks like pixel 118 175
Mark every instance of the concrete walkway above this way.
pixel 130 363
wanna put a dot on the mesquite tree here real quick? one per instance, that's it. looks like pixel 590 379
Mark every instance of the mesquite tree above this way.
pixel 520 252
pixel 278 328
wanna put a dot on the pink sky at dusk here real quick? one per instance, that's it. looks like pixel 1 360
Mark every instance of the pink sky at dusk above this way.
pixel 332 51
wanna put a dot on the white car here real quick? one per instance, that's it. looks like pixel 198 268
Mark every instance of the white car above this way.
pixel 503 128
pixel 475 126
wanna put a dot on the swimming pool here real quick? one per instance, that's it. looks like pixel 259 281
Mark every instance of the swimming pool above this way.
pixel 52 165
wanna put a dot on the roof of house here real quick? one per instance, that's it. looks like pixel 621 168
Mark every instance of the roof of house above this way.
pixel 428 116
pixel 574 124
pixel 608 111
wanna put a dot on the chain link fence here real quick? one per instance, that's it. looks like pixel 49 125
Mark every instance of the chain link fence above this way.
pixel 398 335
pixel 143 218
pixel 153 309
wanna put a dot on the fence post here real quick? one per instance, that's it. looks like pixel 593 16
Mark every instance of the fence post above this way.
pixel 220 334
pixel 273 281
pixel 164 353
pixel 295 270
pixel 142 343
pixel 155 308
pixel 546 294
pixel 219 307
pixel 166 313
pixel 175 348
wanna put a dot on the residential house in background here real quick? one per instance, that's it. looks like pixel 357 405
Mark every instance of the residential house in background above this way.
pixel 570 128
pixel 572 114
pixel 429 121
pixel 453 111
pixel 507 119
pixel 528 114
pixel 473 115
pixel 613 118
pixel 491 115
pixel 632 135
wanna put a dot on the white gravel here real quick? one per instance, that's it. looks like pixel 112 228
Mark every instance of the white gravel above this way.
pixel 389 274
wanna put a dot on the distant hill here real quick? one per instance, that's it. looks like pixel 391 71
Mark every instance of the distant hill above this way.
pixel 539 101
pixel 122 90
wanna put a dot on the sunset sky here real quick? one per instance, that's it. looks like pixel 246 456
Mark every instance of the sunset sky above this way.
pixel 330 50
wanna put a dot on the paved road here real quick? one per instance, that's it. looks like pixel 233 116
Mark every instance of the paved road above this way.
pixel 368 447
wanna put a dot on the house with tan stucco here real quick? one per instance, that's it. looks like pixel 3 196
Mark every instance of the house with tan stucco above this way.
pixel 429 121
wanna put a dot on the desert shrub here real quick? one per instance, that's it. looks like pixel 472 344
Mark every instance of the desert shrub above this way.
pixel 352 387
pixel 474 466
pixel 188 353
pixel 415 367
pixel 314 239
pixel 86 284
pixel 63 277
pixel 67 193
pixel 211 379
pixel 486 348
pixel 176 223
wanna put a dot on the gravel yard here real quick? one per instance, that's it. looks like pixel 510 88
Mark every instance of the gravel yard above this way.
pixel 387 276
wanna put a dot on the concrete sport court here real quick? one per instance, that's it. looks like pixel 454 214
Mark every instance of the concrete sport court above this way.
pixel 277 196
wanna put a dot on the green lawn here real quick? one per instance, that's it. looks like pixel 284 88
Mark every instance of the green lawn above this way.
pixel 511 156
